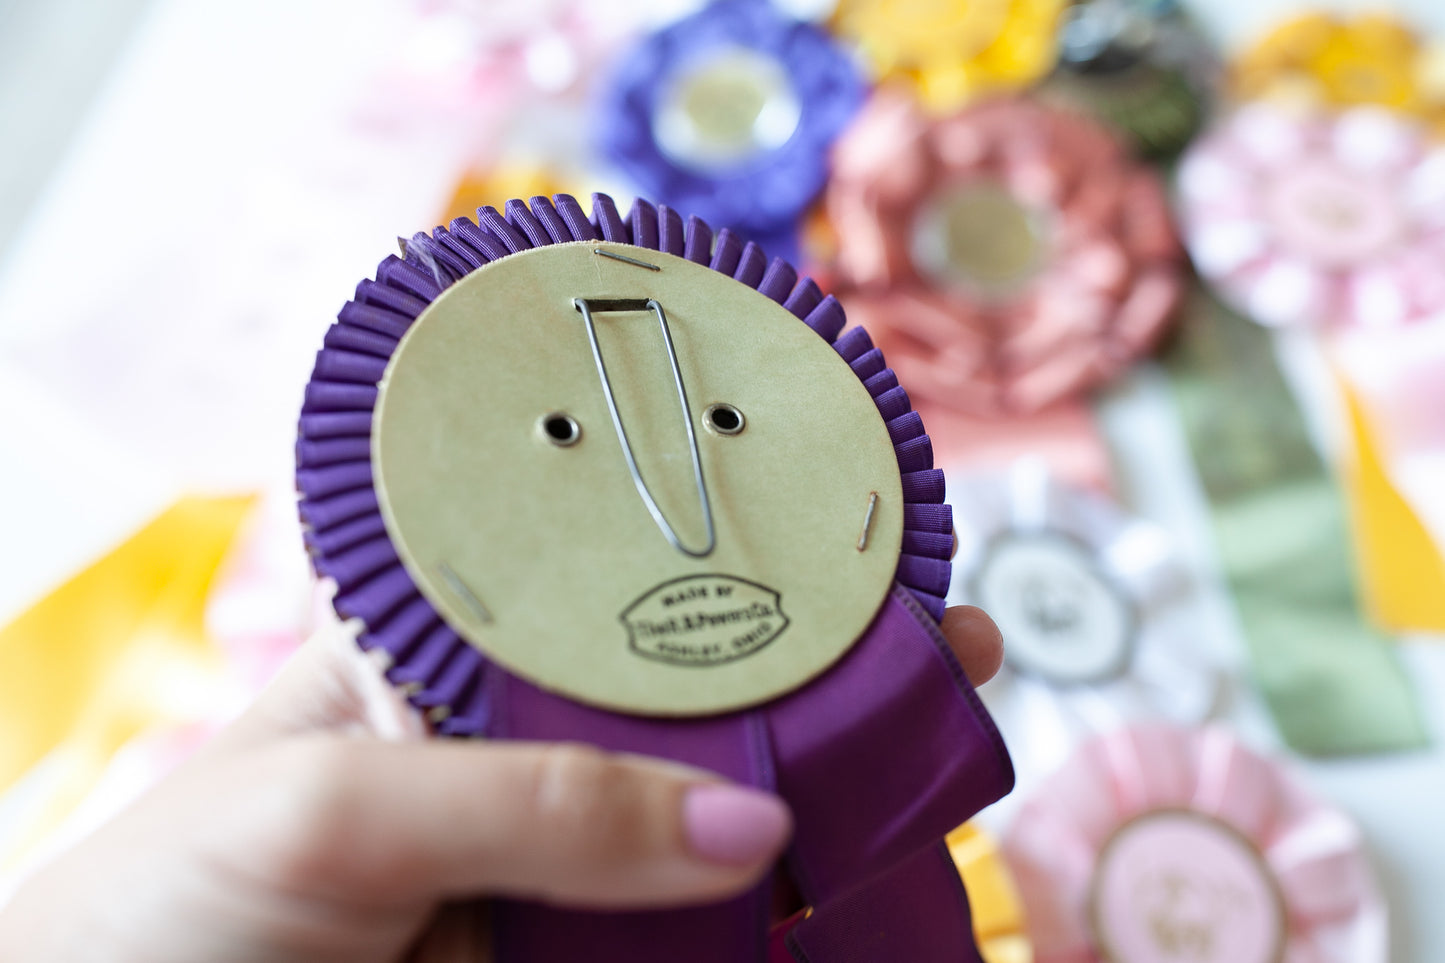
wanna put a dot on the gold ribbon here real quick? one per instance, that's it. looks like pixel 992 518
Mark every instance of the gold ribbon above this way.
pixel 953 51
pixel 1400 568
pixel 998 915
pixel 482 186
pixel 113 651
pixel 1326 59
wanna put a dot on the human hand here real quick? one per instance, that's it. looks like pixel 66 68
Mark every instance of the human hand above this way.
pixel 307 832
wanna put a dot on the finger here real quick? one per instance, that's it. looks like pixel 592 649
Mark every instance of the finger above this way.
pixel 329 684
pixel 975 641
pixel 562 823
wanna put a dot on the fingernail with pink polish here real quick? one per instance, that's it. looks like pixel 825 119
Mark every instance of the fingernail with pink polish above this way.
pixel 734 824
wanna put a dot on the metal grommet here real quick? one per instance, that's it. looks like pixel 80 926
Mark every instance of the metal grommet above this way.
pixel 560 428
pixel 724 419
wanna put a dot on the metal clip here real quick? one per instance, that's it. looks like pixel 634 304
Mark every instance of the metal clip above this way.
pixel 587 307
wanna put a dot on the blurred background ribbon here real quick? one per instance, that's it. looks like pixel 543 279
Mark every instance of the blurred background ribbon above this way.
pixel 119 648
pixel 1393 472
pixel 1162 843
pixel 1329 678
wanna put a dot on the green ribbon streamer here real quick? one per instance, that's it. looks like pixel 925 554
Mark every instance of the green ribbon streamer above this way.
pixel 1331 681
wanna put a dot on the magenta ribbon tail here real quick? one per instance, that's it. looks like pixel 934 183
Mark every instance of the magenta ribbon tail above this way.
pixel 879 757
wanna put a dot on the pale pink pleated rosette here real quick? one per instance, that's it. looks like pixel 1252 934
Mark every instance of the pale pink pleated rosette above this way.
pixel 1318 220
pixel 264 602
pixel 547 47
pixel 483 83
pixel 1095 269
pixel 1165 845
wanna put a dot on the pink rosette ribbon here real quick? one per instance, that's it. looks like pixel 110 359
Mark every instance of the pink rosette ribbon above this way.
pixel 1333 221
pixel 1008 256
pixel 542 47
pixel 1160 844
pixel 495 83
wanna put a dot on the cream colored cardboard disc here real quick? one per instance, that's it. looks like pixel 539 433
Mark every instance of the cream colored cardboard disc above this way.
pixel 506 488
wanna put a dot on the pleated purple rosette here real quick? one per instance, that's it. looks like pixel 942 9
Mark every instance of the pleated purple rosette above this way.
pixel 762 196
pixel 879 757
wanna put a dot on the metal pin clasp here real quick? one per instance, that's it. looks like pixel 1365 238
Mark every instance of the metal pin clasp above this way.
pixel 598 306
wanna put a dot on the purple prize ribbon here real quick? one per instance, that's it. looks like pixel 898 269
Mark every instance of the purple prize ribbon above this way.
pixel 762 196
pixel 878 757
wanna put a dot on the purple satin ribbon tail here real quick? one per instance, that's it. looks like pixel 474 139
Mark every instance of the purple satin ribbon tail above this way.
pixel 878 757
pixel 917 912
pixel 884 754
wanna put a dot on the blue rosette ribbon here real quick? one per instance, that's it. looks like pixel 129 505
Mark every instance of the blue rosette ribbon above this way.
pixel 731 113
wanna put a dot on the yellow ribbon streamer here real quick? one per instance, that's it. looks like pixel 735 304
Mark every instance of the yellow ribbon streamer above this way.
pixel 492 185
pixel 953 51
pixel 998 915
pixel 116 649
pixel 1401 570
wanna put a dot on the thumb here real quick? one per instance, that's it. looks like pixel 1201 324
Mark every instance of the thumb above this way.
pixel 328 684
pixel 562 823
